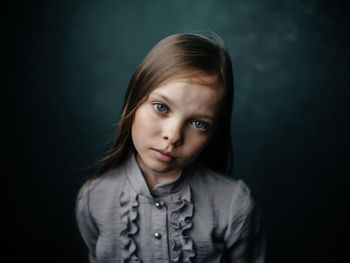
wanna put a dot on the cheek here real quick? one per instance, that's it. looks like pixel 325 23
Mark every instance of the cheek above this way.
pixel 196 144
pixel 143 125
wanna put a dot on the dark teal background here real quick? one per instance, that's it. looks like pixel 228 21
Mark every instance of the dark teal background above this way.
pixel 68 64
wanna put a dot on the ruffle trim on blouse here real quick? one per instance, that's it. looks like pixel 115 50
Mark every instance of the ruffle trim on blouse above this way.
pixel 129 214
pixel 181 220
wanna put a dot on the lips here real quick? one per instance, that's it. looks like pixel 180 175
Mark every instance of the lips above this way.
pixel 163 156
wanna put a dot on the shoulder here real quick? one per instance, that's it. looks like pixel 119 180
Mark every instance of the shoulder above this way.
pixel 98 192
pixel 215 181
pixel 224 191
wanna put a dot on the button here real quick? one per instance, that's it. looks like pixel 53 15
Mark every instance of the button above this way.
pixel 159 205
pixel 157 235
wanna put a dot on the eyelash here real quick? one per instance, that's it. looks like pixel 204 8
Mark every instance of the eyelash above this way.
pixel 205 128
pixel 157 106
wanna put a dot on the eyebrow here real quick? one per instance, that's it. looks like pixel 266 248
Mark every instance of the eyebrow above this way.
pixel 165 98
pixel 168 101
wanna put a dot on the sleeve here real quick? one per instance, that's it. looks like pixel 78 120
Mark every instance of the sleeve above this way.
pixel 87 227
pixel 245 239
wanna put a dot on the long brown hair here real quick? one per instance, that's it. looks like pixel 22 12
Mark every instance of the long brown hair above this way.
pixel 178 55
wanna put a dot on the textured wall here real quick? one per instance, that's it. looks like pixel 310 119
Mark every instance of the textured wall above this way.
pixel 69 65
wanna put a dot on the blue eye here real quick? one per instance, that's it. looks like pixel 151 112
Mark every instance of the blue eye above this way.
pixel 200 125
pixel 160 107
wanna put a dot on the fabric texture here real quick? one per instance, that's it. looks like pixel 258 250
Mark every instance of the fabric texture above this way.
pixel 202 216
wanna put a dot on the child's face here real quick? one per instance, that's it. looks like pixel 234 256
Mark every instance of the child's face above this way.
pixel 174 124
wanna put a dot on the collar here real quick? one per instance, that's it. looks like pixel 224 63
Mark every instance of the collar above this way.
pixel 139 184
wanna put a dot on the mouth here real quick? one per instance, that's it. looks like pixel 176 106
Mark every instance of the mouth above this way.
pixel 164 156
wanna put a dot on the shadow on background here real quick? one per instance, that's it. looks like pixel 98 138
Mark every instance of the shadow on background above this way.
pixel 69 63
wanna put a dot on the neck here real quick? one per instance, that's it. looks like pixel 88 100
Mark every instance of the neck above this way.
pixel 153 177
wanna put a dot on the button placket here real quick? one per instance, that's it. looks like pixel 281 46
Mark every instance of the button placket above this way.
pixel 159 231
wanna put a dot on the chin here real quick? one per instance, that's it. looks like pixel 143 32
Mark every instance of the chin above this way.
pixel 162 167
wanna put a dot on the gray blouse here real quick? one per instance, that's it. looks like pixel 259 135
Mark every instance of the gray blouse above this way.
pixel 202 216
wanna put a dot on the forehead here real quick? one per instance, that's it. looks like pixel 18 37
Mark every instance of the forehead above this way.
pixel 193 78
pixel 196 77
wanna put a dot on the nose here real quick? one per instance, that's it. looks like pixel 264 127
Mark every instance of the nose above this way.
pixel 173 133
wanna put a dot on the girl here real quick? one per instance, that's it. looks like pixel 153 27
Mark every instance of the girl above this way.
pixel 160 195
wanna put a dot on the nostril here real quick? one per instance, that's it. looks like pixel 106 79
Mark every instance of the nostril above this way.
pixel 173 137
